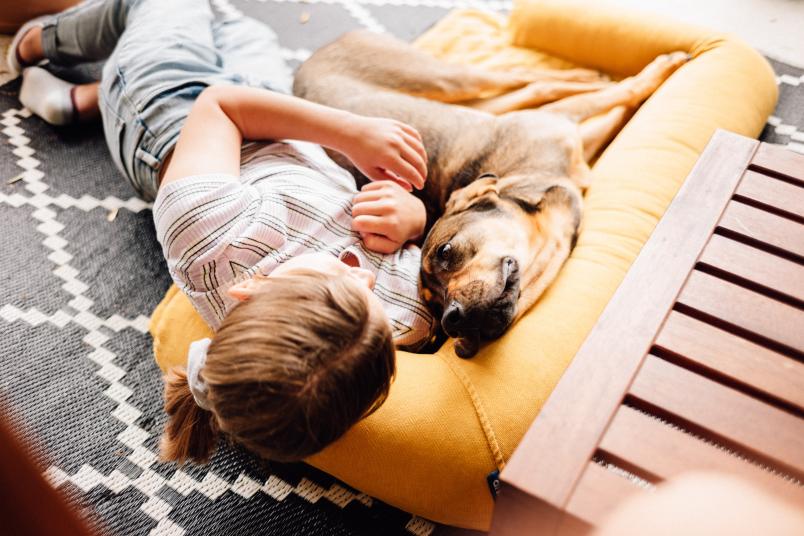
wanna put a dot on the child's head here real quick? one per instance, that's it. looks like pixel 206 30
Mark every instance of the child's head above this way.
pixel 306 355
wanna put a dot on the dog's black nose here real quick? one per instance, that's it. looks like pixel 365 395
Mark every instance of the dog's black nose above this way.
pixel 453 317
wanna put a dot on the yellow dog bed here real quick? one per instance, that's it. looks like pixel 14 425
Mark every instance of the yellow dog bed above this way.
pixel 448 423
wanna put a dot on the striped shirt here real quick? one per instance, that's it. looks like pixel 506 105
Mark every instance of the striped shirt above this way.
pixel 290 199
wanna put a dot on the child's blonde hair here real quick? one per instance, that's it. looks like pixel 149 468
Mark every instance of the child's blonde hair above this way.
pixel 288 372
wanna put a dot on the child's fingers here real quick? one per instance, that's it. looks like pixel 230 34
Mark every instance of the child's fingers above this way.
pixel 414 158
pixel 410 130
pixel 371 208
pixel 380 174
pixel 376 185
pixel 367 197
pixel 407 172
pixel 417 146
pixel 370 224
pixel 389 175
pixel 379 243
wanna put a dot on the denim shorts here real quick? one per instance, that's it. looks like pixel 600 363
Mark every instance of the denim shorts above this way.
pixel 165 52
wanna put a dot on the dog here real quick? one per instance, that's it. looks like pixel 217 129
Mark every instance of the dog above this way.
pixel 503 191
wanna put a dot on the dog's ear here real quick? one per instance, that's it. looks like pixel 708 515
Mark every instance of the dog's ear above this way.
pixel 532 195
pixel 462 198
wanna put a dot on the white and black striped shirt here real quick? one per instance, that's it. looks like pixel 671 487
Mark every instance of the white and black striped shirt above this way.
pixel 290 199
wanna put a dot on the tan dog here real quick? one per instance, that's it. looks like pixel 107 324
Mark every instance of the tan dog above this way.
pixel 503 192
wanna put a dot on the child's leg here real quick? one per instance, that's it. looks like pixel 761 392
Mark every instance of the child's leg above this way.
pixel 250 51
pixel 161 63
pixel 86 32
pixel 29 50
pixel 85 101
pixel 56 101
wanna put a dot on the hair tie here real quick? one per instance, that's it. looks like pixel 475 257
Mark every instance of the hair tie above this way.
pixel 196 358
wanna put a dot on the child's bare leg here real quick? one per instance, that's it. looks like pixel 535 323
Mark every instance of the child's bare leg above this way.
pixel 535 94
pixel 85 102
pixel 84 33
pixel 629 92
pixel 29 51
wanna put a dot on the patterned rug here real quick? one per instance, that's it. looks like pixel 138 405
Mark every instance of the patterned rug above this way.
pixel 80 273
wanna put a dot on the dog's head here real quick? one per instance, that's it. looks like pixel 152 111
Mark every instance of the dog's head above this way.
pixel 498 245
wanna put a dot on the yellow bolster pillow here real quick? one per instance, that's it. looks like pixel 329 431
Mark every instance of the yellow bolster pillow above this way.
pixel 448 422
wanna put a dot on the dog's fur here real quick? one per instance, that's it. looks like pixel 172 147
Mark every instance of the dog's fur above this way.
pixel 503 192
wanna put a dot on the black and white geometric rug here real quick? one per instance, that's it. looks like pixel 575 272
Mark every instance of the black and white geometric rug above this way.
pixel 80 273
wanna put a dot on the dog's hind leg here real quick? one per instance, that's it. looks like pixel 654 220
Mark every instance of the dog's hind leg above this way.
pixel 385 62
pixel 598 131
pixel 533 95
pixel 630 92
pixel 566 75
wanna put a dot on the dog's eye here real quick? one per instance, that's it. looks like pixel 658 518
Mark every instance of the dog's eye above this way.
pixel 444 251
pixel 529 206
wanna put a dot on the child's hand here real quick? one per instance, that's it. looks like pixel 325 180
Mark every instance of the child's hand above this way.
pixel 386 149
pixel 387 216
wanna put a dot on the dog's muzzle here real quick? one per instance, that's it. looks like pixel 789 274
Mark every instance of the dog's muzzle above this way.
pixel 485 319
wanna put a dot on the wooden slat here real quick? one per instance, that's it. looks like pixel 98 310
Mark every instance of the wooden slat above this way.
pixel 765 227
pixel 664 452
pixel 556 449
pixel 598 493
pixel 745 308
pixel 517 514
pixel 755 265
pixel 773 192
pixel 779 160
pixel 758 428
pixel 742 361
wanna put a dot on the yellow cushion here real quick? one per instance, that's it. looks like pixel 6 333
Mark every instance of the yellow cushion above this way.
pixel 448 422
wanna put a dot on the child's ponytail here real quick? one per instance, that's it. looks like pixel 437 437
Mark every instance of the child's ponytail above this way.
pixel 191 433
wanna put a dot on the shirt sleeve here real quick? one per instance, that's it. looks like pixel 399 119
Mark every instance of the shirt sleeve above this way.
pixel 196 219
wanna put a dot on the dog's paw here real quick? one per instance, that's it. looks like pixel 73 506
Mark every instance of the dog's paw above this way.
pixel 664 65
pixel 466 348
pixel 646 82
pixel 677 59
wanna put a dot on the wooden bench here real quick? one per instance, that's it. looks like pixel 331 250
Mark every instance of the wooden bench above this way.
pixel 696 363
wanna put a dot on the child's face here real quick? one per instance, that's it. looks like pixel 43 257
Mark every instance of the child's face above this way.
pixel 326 264
pixel 319 262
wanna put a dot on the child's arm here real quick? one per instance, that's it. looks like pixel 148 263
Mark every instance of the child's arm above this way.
pixel 387 217
pixel 223 116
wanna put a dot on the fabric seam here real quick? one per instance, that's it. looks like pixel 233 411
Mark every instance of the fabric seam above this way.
pixel 480 412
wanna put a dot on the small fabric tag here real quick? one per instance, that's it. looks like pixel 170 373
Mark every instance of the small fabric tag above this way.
pixel 493 480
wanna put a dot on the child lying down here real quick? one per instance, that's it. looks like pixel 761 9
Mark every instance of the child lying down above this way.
pixel 308 284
